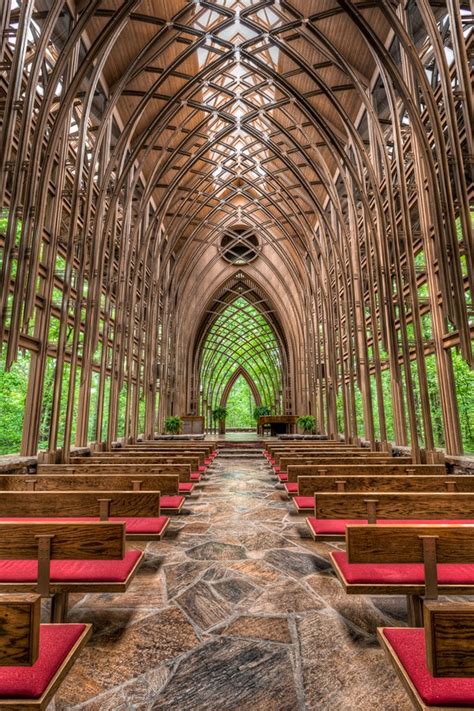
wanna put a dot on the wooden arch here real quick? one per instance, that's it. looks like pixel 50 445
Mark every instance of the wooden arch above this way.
pixel 231 382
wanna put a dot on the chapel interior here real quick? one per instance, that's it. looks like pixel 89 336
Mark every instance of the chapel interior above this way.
pixel 236 355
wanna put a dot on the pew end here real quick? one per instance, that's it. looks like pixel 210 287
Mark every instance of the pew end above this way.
pixel 435 663
pixel 34 658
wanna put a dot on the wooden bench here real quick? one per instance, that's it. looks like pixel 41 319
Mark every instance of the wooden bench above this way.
pixel 183 471
pixel 193 462
pixel 171 501
pixel 209 453
pixel 205 457
pixel 418 560
pixel 282 472
pixel 310 485
pixel 334 511
pixel 34 658
pixel 271 447
pixel 312 454
pixel 274 459
pixel 138 510
pixel 435 663
pixel 56 558
pixel 127 454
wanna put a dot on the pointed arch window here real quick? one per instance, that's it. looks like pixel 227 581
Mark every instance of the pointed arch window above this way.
pixel 241 341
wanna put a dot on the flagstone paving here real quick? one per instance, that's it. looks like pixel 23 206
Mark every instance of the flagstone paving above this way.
pixel 235 609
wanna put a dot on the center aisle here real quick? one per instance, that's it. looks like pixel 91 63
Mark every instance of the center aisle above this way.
pixel 235 609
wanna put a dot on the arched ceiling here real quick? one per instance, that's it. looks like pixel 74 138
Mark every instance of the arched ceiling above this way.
pixel 237 111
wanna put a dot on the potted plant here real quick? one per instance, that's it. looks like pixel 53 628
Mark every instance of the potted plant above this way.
pixel 218 415
pixel 261 411
pixel 173 425
pixel 307 423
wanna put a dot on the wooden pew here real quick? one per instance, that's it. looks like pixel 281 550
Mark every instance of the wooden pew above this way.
pixel 139 510
pixel 282 474
pixel 285 459
pixel 192 462
pixel 55 558
pixel 270 445
pixel 402 481
pixel 183 471
pixel 209 443
pixel 205 456
pixel 435 663
pixel 34 658
pixel 209 451
pixel 334 511
pixel 394 467
pixel 277 452
pixel 171 502
pixel 413 560
pixel 128 454
pixel 307 453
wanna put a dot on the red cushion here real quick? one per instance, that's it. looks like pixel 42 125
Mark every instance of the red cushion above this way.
pixel 56 641
pixel 171 502
pixel 403 573
pixel 208 460
pixel 282 476
pixel 185 487
pixel 202 469
pixel 276 468
pixel 195 476
pixel 409 646
pixel 138 524
pixel 77 571
pixel 304 502
pixel 292 488
pixel 133 524
pixel 338 526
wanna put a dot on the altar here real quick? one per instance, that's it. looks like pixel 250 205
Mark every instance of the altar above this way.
pixel 278 424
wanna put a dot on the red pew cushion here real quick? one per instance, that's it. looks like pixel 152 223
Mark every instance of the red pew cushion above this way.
pixel 283 476
pixel 185 487
pixel 202 469
pixel 139 525
pixel 276 468
pixel 195 476
pixel 77 571
pixel 409 646
pixel 336 526
pixel 171 502
pixel 133 524
pixel 403 573
pixel 304 502
pixel 292 488
pixel 56 641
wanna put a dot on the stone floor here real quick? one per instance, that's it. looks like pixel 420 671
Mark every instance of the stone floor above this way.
pixel 235 609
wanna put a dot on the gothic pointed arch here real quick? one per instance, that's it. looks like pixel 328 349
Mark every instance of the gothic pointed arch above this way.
pixel 240 371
